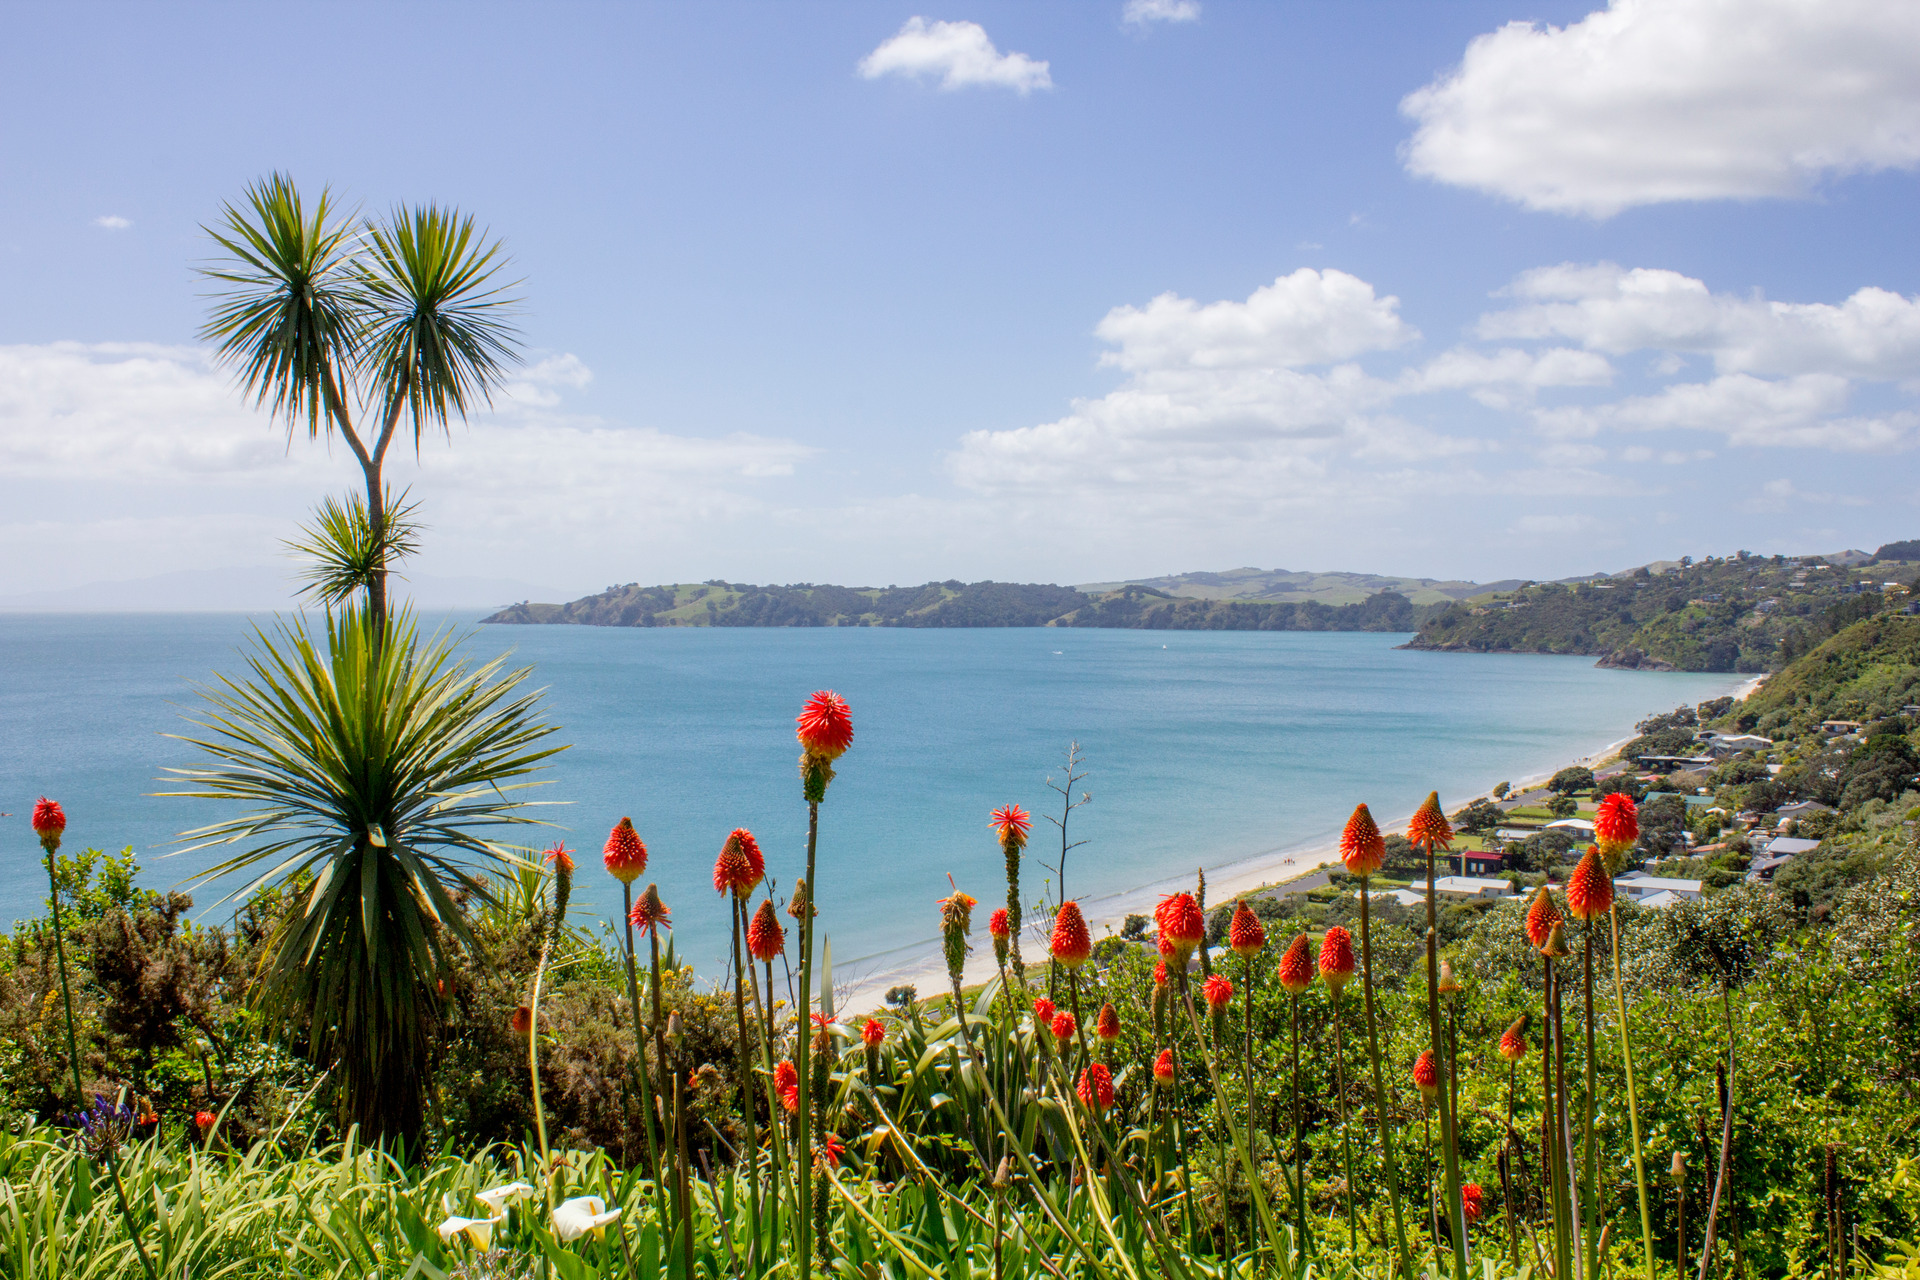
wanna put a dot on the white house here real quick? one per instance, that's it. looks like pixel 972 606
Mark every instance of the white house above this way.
pixel 1788 846
pixel 1642 888
pixel 1800 809
pixel 1471 887
pixel 1583 826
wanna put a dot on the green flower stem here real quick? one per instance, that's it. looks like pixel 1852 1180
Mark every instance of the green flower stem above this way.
pixel 745 1053
pixel 1380 1081
pixel 1633 1101
pixel 1592 1214
pixel 1346 1138
pixel 52 846
pixel 1233 1130
pixel 803 1169
pixel 639 1039
pixel 1456 1208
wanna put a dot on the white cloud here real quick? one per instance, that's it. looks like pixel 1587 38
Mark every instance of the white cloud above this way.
pixel 1141 12
pixel 959 53
pixel 112 222
pixel 1216 401
pixel 1660 100
pixel 1796 412
pixel 1463 369
pixel 162 416
pixel 1875 333
pixel 1784 495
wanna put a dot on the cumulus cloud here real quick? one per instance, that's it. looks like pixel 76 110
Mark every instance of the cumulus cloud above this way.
pixel 160 415
pixel 1140 13
pixel 958 53
pixel 1784 495
pixel 1796 412
pixel 112 222
pixel 1222 395
pixel 1650 101
pixel 1874 333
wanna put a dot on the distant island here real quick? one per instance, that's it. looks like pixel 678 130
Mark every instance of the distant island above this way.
pixel 1732 613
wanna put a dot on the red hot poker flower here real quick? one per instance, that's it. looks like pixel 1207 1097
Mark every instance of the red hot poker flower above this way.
pixel 1429 825
pixel 1096 1087
pixel 1427 1075
pixel 1589 888
pixel 872 1034
pixel 1160 974
pixel 1362 847
pixel 1107 1024
pixel 649 914
pixel 1071 942
pixel 562 859
pixel 1163 1066
pixel 1541 917
pixel 741 866
pixel 1011 824
pixel 1218 990
pixel 825 725
pixel 765 937
pixel 1245 934
pixel 1296 966
pixel 786 1083
pixel 997 924
pixel 204 1119
pixel 1473 1200
pixel 1181 926
pixel 1043 1011
pixel 832 1150
pixel 1336 958
pixel 1617 824
pixel 625 854
pixel 1064 1026
pixel 1513 1045
pixel 49 820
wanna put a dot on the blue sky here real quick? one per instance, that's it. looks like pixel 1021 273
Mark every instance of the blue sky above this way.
pixel 881 293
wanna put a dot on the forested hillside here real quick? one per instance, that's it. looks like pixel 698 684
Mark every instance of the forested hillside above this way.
pixel 1734 613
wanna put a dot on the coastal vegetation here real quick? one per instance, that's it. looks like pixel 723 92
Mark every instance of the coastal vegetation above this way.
pixel 1562 1082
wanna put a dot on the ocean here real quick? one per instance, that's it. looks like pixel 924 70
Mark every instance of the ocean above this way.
pixel 1200 749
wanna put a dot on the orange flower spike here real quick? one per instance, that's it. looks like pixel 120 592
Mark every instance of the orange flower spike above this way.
pixel 649 914
pixel 1513 1045
pixel 1064 1026
pixel 765 937
pixel 49 820
pixel 1042 1011
pixel 1096 1087
pixel 1429 825
pixel 1163 1067
pixel 1072 944
pixel 1427 1075
pixel 741 866
pixel 825 725
pixel 1617 824
pixel 1336 958
pixel 561 859
pixel 998 927
pixel 1012 824
pixel 786 1083
pixel 1106 1025
pixel 1473 1200
pixel 1362 847
pixel 1180 925
pixel 1245 936
pixel 1218 990
pixel 1589 888
pixel 1160 974
pixel 1542 915
pixel 1296 966
pixel 872 1033
pixel 625 854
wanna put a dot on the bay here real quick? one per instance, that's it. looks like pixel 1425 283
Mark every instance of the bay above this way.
pixel 1202 749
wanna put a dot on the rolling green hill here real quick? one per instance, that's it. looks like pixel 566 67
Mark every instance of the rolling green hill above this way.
pixel 1286 586
pixel 1737 613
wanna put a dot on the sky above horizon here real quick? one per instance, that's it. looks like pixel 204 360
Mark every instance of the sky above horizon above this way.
pixel 882 293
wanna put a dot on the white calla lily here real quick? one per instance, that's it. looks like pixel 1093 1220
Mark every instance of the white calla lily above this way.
pixel 498 1198
pixel 582 1214
pixel 479 1231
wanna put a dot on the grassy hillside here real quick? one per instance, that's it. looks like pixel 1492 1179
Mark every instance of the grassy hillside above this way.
pixel 1737 613
pixel 954 604
pixel 1291 587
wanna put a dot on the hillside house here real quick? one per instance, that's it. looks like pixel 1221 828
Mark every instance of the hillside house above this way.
pixel 1642 888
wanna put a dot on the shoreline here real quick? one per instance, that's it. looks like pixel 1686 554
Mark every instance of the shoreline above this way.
pixel 919 964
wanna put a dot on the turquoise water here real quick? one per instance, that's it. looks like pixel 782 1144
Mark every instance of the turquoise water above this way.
pixel 1203 748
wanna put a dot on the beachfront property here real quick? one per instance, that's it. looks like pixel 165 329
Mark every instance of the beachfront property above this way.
pixel 1448 888
pixel 1656 891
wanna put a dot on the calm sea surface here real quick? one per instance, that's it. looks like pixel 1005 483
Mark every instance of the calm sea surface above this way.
pixel 1201 748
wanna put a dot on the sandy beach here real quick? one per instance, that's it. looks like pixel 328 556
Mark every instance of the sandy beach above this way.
pixel 861 983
